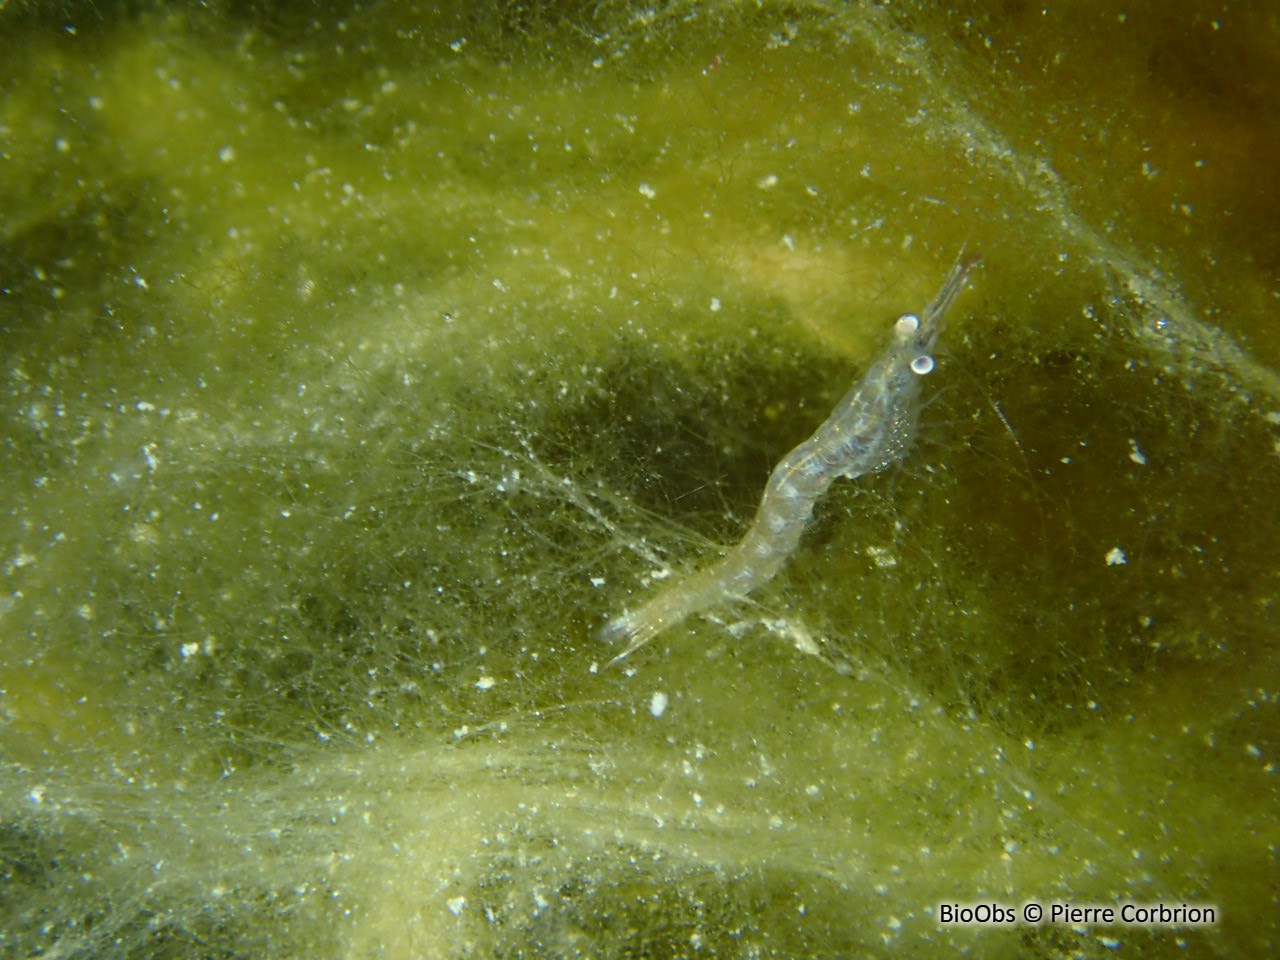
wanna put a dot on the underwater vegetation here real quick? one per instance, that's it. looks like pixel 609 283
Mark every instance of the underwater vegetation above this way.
pixel 361 363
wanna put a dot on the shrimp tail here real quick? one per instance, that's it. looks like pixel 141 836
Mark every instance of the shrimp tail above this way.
pixel 668 607
pixel 631 628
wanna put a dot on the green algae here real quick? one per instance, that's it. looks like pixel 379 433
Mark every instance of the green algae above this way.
pixel 358 366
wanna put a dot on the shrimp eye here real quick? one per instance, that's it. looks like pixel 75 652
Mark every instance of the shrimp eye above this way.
pixel 907 324
pixel 922 364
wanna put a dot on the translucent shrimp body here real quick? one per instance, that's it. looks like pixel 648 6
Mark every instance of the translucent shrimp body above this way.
pixel 870 428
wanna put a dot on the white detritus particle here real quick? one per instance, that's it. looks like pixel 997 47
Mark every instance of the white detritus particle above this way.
pixel 485 683
pixel 882 557
pixel 1116 557
pixel 456 905
pixel 658 703
pixel 1136 454
pixel 768 183
pixel 647 191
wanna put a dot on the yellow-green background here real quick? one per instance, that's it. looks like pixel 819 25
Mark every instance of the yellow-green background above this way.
pixel 359 361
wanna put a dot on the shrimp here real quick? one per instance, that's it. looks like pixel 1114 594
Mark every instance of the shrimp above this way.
pixel 872 426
